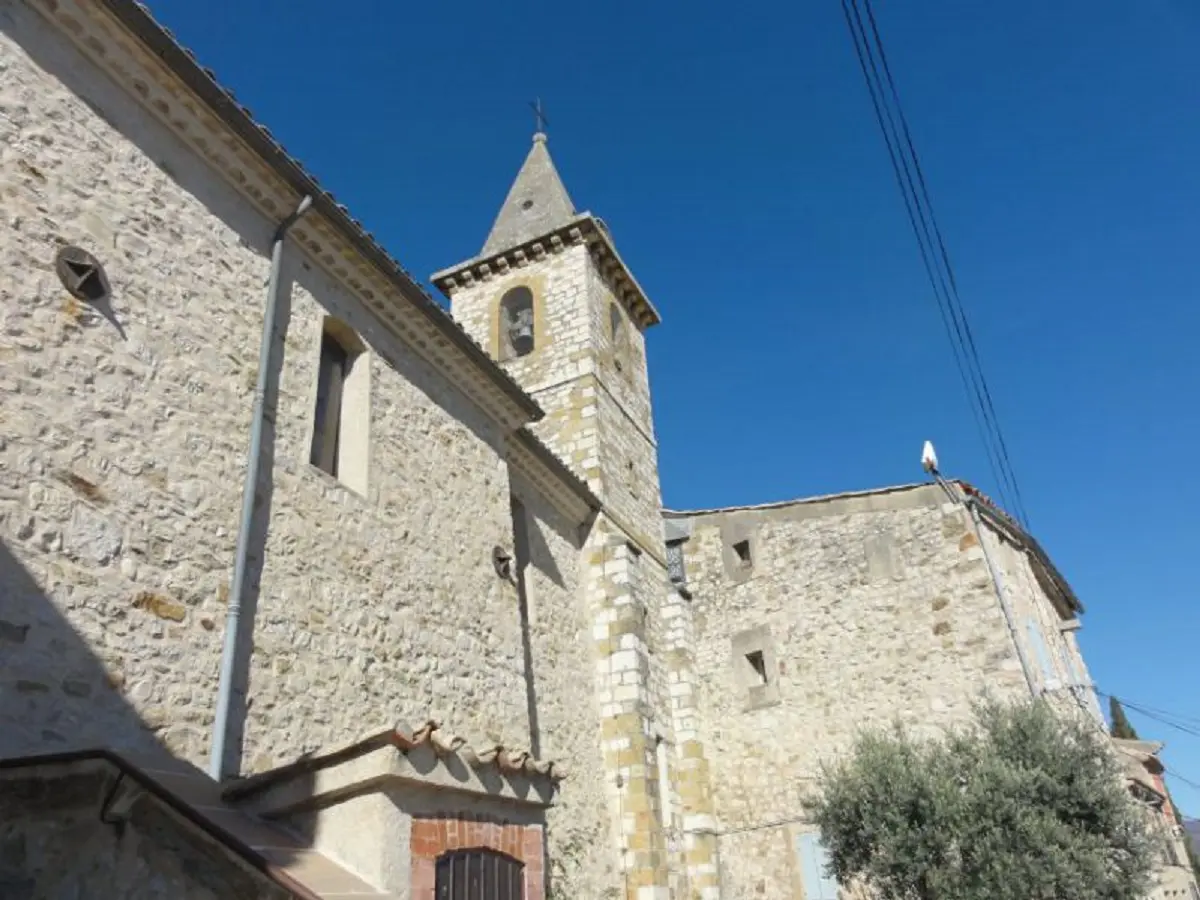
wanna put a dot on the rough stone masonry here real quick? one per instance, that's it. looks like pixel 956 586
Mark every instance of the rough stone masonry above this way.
pixel 687 674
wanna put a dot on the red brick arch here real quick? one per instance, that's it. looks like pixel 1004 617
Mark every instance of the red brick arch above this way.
pixel 431 837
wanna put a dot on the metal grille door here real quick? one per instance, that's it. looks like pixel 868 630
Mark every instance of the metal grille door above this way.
pixel 479 875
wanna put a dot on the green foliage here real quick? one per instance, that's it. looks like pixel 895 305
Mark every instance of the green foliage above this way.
pixel 1121 728
pixel 1022 806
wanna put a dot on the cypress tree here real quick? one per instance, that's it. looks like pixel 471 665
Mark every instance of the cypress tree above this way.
pixel 1120 722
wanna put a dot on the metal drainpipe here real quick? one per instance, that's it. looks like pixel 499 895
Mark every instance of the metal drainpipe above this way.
pixel 233 617
pixel 721 892
pixel 997 585
pixel 1000 595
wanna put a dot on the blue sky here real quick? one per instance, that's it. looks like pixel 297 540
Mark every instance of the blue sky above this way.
pixel 735 156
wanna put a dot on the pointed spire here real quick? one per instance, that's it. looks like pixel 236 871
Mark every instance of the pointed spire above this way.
pixel 537 202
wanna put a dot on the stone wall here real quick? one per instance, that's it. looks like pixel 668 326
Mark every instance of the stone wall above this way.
pixel 629 473
pixel 54 844
pixel 1048 634
pixel 581 859
pixel 862 609
pixel 627 450
pixel 621 357
pixel 562 334
pixel 123 454
pixel 594 388
pixel 557 373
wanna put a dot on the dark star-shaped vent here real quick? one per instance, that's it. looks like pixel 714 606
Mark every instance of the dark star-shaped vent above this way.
pixel 81 274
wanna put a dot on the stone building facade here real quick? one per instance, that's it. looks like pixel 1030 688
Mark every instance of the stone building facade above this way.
pixel 1144 776
pixel 813 619
pixel 448 521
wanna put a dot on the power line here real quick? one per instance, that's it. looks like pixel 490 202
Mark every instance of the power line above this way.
pixel 936 259
pixel 1166 719
pixel 1178 777
pixel 962 318
pixel 1158 714
pixel 900 169
pixel 1103 731
pixel 1190 726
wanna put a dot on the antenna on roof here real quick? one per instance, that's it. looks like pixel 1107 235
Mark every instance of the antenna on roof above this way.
pixel 929 460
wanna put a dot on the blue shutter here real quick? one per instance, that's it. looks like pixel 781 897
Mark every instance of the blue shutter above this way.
pixel 1081 687
pixel 819 883
pixel 1049 679
pixel 1064 653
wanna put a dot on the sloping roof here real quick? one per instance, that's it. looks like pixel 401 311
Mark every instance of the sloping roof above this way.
pixel 195 799
pixel 137 19
pixel 537 203
pixel 800 501
pixel 1053 580
pixel 584 228
pixel 997 519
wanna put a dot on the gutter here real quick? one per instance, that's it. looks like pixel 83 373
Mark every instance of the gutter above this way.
pixel 223 761
pixel 596 233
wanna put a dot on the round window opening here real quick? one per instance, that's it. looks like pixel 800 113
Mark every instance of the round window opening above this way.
pixel 528 204
pixel 81 274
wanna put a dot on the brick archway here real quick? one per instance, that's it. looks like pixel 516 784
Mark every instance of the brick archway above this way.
pixel 433 837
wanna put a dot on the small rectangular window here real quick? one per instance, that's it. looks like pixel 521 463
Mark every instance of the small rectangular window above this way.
pixel 758 667
pixel 755 667
pixel 742 550
pixel 331 383
pixel 342 411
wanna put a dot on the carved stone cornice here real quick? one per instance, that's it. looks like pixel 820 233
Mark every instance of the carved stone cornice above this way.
pixel 584 229
pixel 552 477
pixel 144 59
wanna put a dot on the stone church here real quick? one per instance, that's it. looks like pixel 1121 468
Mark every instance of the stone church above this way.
pixel 309 588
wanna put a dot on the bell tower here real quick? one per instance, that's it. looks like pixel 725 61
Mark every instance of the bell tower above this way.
pixel 550 299
pixel 553 302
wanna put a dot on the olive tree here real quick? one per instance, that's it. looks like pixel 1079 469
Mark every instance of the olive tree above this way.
pixel 1021 805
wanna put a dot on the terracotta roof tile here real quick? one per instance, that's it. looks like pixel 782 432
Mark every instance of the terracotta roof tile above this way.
pixel 509 760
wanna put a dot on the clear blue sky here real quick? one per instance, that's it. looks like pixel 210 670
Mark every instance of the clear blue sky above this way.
pixel 733 152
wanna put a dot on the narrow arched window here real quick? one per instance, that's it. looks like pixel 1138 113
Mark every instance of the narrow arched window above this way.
pixel 342 412
pixel 616 334
pixel 516 323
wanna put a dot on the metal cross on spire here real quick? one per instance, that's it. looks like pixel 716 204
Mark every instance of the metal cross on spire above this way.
pixel 539 117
